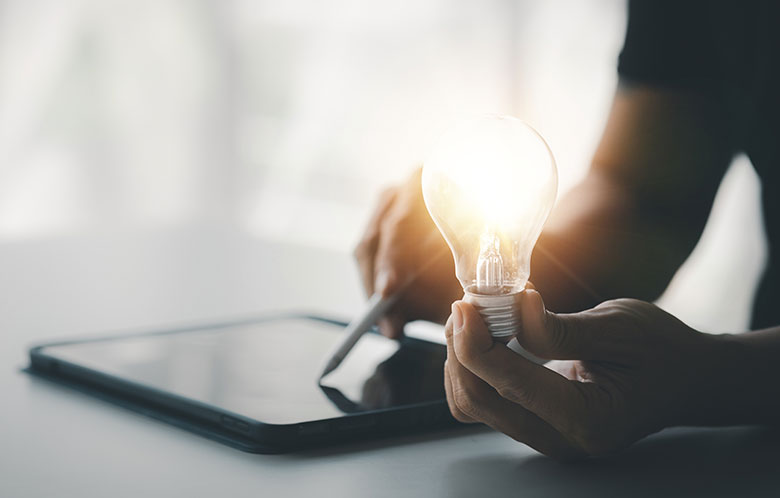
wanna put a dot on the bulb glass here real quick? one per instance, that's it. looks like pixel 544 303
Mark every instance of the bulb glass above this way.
pixel 489 185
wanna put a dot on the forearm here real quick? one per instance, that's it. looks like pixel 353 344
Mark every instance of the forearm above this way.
pixel 739 386
pixel 602 243
pixel 625 230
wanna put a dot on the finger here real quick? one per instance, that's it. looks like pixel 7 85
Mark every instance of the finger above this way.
pixel 364 254
pixel 456 413
pixel 365 251
pixel 471 399
pixel 386 280
pixel 404 232
pixel 513 419
pixel 392 325
pixel 392 252
pixel 454 371
pixel 573 336
pixel 538 389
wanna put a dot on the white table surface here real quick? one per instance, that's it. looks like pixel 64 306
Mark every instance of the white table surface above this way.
pixel 55 442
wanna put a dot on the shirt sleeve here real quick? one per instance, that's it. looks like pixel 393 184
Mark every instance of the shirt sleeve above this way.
pixel 669 44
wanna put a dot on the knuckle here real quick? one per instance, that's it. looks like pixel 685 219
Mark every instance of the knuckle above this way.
pixel 609 304
pixel 512 393
pixel 630 307
pixel 466 403
pixel 629 302
pixel 465 354
pixel 458 415
pixel 448 330
pixel 557 338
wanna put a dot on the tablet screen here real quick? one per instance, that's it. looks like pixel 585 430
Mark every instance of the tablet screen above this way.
pixel 269 370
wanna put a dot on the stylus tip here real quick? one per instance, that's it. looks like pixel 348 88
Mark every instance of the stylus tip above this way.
pixel 331 366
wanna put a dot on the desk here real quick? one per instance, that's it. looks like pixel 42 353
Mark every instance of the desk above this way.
pixel 55 442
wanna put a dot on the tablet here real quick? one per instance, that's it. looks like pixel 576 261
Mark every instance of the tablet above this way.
pixel 255 384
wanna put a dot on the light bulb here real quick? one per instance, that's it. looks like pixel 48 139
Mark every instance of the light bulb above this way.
pixel 489 185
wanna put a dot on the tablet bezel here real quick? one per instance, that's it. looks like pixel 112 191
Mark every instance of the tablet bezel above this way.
pixel 233 429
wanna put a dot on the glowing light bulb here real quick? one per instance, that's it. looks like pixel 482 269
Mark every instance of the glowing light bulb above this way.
pixel 489 186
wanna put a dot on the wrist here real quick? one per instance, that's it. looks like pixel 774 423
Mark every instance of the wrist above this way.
pixel 731 385
pixel 704 383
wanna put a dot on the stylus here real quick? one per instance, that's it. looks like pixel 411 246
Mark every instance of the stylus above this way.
pixel 362 323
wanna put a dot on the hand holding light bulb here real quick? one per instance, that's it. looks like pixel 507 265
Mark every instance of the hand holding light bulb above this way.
pixel 620 371
pixel 490 187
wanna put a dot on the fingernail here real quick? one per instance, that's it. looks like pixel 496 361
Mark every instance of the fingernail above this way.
pixel 384 327
pixel 457 319
pixel 533 305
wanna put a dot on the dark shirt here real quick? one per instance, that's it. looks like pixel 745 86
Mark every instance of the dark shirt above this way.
pixel 728 51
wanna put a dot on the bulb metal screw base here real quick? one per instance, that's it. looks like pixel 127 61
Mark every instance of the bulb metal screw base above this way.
pixel 501 313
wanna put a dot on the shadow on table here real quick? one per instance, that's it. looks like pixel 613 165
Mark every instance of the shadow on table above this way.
pixel 391 441
pixel 739 461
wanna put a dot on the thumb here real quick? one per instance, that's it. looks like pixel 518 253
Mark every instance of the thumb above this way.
pixel 470 333
pixel 564 336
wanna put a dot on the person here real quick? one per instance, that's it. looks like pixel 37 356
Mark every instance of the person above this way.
pixel 698 83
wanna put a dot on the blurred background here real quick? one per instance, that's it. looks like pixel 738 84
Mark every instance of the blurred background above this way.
pixel 284 119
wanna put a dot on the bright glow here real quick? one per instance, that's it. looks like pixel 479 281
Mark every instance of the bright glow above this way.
pixel 489 185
